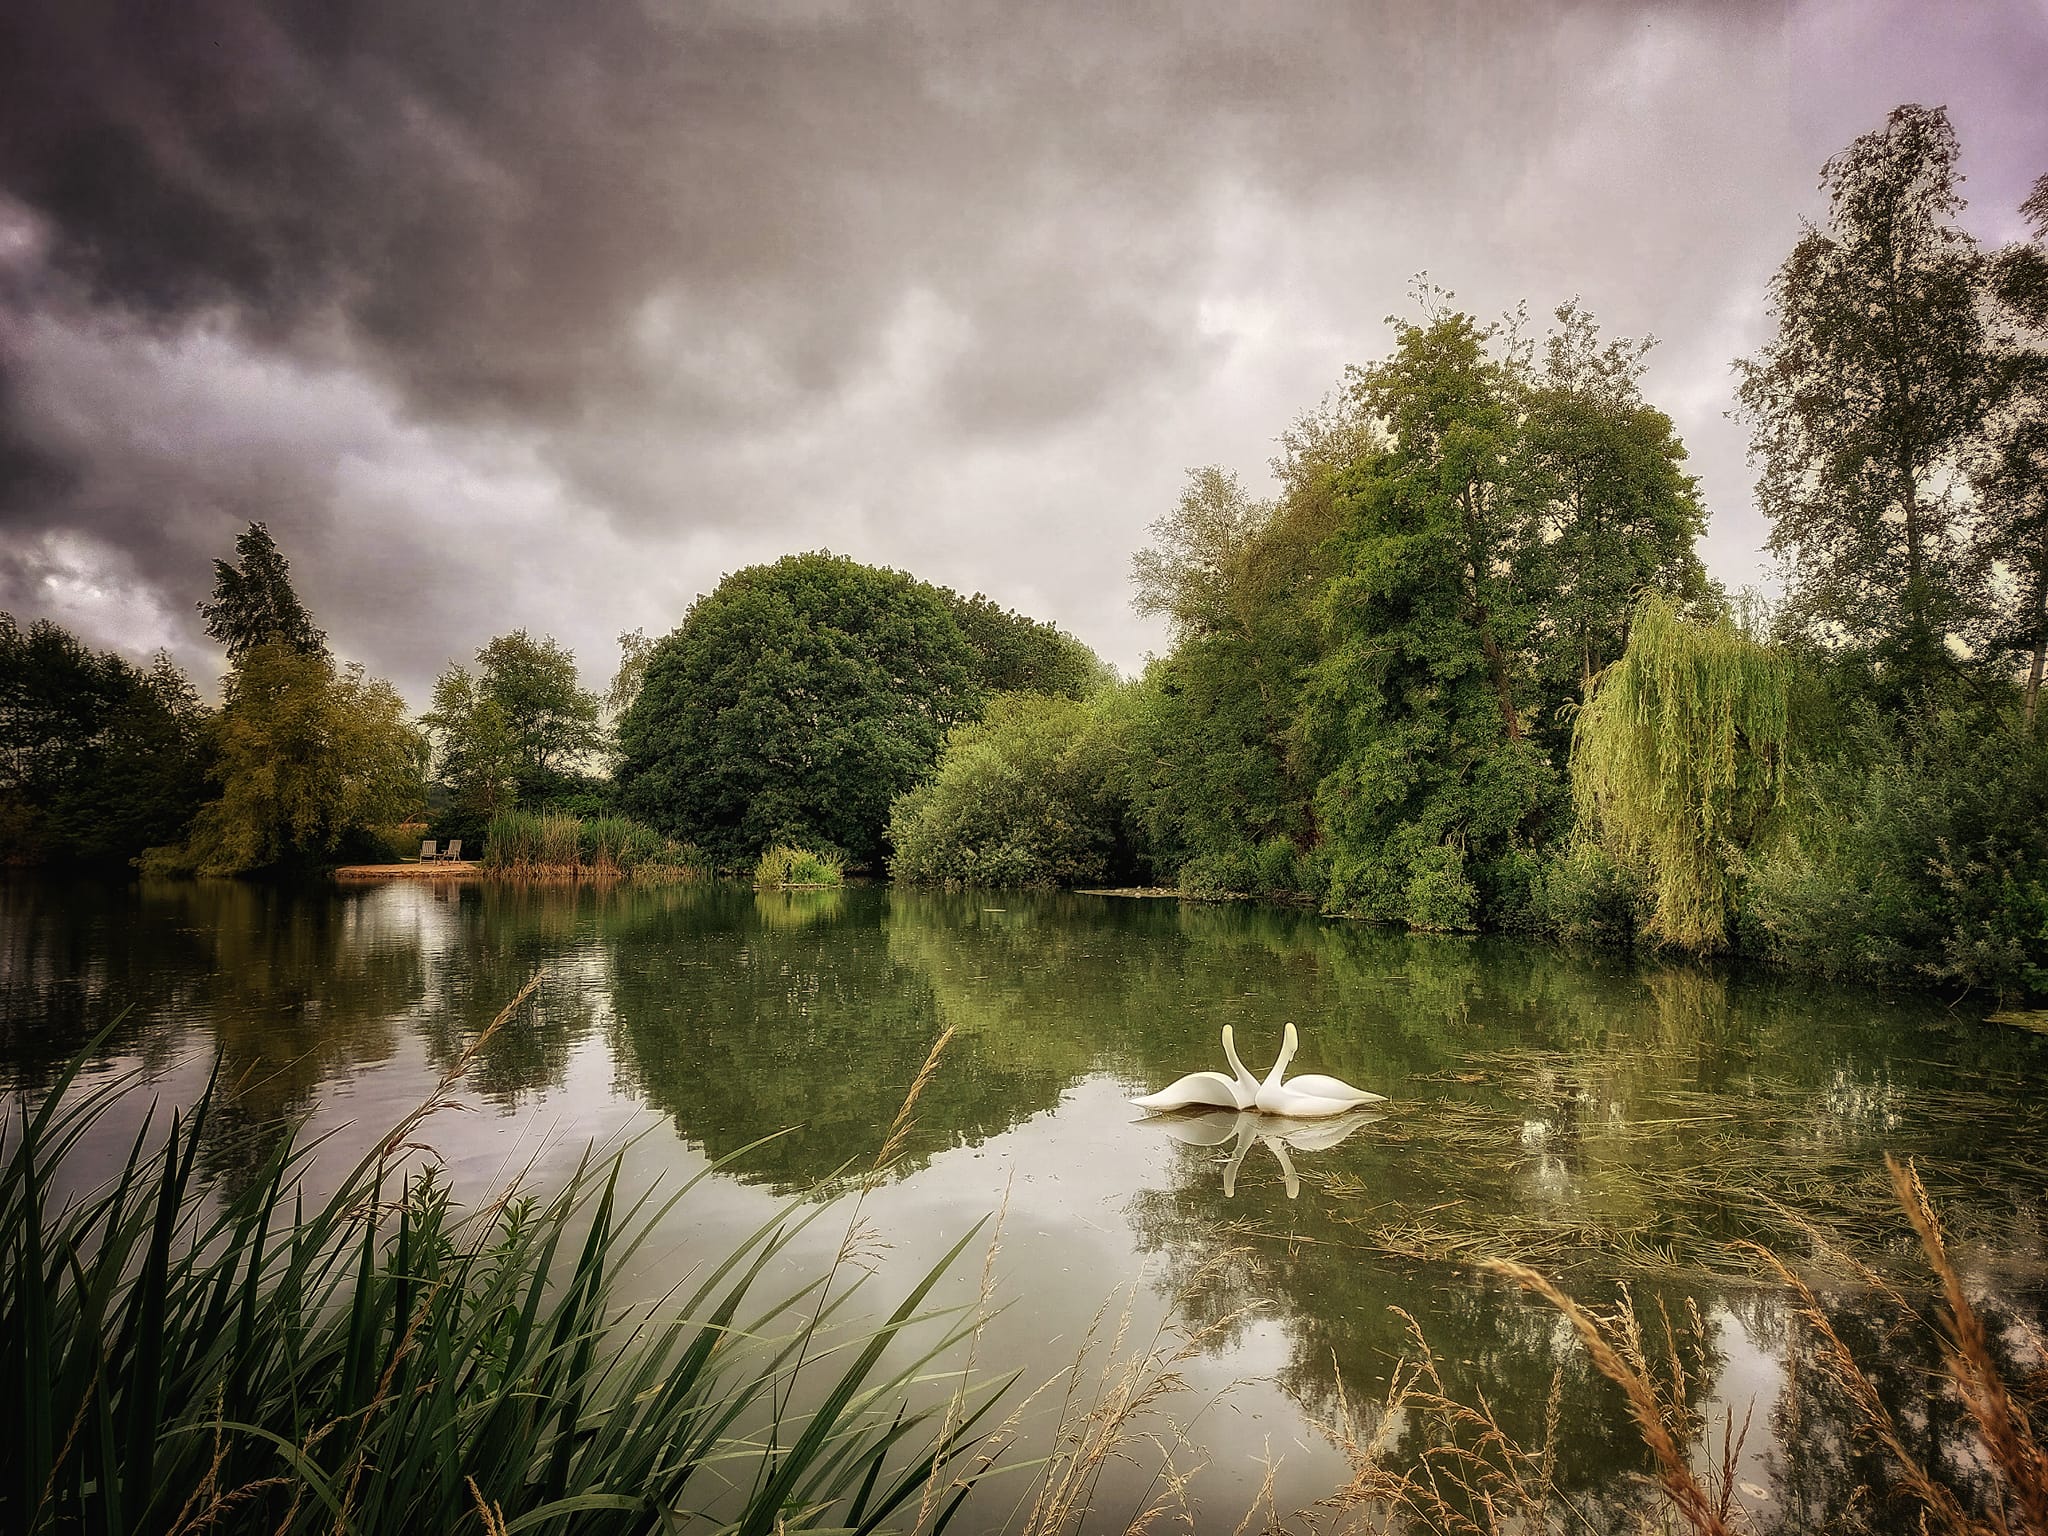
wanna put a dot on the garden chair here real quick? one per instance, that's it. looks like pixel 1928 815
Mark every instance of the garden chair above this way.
pixel 427 850
pixel 454 849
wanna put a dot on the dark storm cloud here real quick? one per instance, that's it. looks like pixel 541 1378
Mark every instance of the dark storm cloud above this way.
pixel 532 313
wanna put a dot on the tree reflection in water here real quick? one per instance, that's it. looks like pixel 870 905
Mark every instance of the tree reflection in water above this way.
pixel 1605 1121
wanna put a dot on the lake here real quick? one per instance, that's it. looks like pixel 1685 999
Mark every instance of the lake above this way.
pixel 1611 1123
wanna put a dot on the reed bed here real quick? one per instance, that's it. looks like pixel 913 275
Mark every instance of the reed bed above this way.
pixel 784 865
pixel 172 1360
pixel 525 845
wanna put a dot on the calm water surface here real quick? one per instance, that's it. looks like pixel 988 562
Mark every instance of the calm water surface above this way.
pixel 1612 1123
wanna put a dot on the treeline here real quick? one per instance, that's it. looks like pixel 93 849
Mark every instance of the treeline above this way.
pixel 102 763
pixel 789 709
pixel 1465 670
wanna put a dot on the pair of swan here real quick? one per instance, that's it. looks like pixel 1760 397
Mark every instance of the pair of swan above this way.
pixel 1311 1096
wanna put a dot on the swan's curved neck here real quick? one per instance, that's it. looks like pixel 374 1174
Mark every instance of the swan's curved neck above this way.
pixel 1280 1063
pixel 1244 1078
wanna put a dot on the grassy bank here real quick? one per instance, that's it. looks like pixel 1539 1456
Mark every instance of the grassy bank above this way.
pixel 523 845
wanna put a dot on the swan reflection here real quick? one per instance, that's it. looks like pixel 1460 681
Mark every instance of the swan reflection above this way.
pixel 1214 1127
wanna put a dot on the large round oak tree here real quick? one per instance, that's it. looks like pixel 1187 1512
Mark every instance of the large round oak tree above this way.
pixel 793 704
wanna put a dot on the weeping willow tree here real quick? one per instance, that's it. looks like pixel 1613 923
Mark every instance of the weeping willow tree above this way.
pixel 1678 756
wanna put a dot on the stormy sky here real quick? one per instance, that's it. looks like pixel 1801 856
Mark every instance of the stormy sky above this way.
pixel 546 315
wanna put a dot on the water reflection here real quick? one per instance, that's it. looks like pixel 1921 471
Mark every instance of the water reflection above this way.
pixel 1214 1127
pixel 1611 1122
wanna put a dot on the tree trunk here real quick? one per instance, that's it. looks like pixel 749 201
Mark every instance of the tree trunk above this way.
pixel 2040 644
pixel 1497 665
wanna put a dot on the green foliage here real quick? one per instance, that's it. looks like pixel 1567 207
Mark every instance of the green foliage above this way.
pixel 1615 515
pixel 1214 770
pixel 1030 795
pixel 1582 894
pixel 2010 472
pixel 1864 408
pixel 306 754
pixel 253 603
pixel 1413 713
pixel 783 865
pixel 270 1360
pixel 515 732
pixel 794 705
pixel 99 759
pixel 1678 759
pixel 1919 849
pixel 554 846
pixel 1015 654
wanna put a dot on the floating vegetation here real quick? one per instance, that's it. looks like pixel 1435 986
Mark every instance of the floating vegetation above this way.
pixel 1545 1174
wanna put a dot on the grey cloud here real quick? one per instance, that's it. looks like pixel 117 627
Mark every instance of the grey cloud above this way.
pixel 534 313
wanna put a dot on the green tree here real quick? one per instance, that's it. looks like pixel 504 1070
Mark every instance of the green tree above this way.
pixel 793 705
pixel 1864 409
pixel 99 759
pixel 1414 714
pixel 1016 654
pixel 517 731
pixel 308 754
pixel 2011 474
pixel 635 651
pixel 1615 514
pixel 1677 761
pixel 253 603
pixel 476 762
pixel 1215 771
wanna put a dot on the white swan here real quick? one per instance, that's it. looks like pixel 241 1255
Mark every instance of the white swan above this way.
pixel 1207 1090
pixel 1311 1096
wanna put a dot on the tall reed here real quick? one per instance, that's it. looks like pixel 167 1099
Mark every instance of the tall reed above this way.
pixel 172 1360
pixel 528 845
pixel 786 865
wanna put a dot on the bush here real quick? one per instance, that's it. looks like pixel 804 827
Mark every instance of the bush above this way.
pixel 1584 895
pixel 1233 872
pixel 1921 849
pixel 784 865
pixel 1439 897
pixel 1028 796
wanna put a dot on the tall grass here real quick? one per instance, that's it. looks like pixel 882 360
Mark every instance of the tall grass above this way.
pixel 531 845
pixel 1471 1476
pixel 380 1361
pixel 784 865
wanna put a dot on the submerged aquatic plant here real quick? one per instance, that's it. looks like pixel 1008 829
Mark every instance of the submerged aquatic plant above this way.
pixel 172 1359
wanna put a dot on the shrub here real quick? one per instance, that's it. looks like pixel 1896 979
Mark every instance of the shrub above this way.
pixel 784 865
pixel 1439 896
pixel 1920 849
pixel 1027 796
pixel 1584 895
